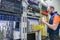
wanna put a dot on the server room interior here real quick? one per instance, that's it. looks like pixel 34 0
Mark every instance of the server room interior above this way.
pixel 17 18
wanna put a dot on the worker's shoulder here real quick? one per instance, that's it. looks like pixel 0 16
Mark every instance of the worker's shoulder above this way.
pixel 56 19
pixel 57 16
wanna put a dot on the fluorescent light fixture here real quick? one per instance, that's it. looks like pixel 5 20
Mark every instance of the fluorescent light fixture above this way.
pixel 44 2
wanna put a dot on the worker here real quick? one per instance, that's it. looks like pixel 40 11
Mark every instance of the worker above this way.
pixel 53 24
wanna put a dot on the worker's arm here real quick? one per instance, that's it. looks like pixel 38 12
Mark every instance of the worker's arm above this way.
pixel 52 26
pixel 55 23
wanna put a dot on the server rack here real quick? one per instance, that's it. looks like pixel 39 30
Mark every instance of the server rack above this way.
pixel 25 32
pixel 11 11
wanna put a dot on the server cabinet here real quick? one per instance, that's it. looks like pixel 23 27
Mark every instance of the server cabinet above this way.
pixel 10 11
pixel 10 21
pixel 12 6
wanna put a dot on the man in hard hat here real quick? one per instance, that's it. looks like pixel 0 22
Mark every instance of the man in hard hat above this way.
pixel 53 24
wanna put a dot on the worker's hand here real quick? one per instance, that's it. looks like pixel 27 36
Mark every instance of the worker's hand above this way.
pixel 44 20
